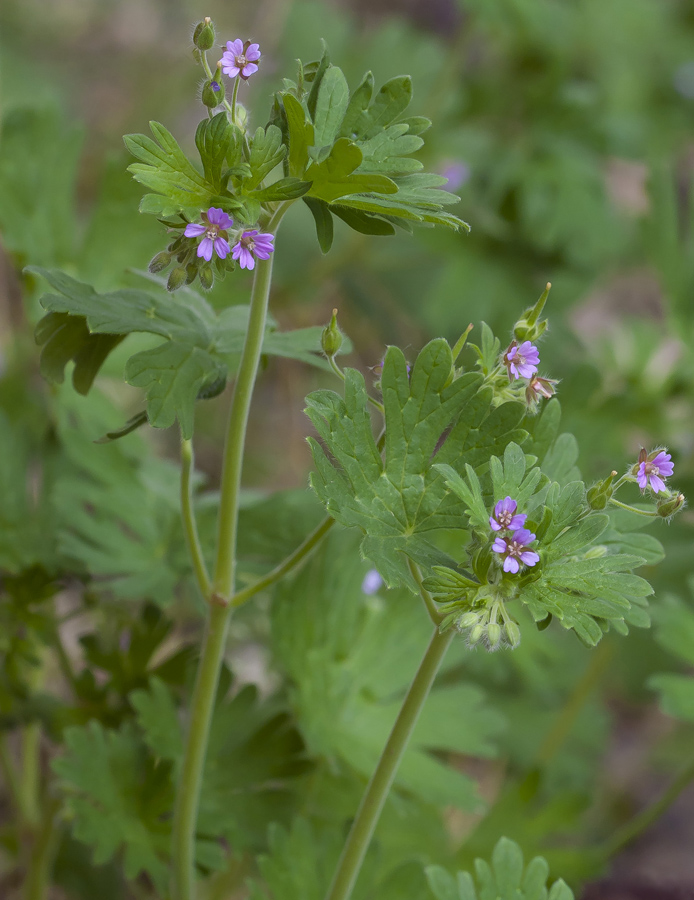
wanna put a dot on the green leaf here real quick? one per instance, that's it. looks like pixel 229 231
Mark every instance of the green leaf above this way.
pixel 331 105
pixel 504 879
pixel 173 374
pixel 362 222
pixel 324 222
pixel 267 150
pixel 358 103
pixel 389 151
pixel 217 140
pixel 284 189
pixel 167 170
pixel 392 100
pixel 674 622
pixel 333 177
pixel 398 501
pixel 301 135
pixel 116 799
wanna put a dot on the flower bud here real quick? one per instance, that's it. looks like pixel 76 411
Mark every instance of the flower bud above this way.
pixel 667 508
pixel 513 634
pixel 598 495
pixel 528 328
pixel 177 279
pixel 476 633
pixel 203 36
pixel 468 620
pixel 213 90
pixel 493 635
pixel 596 552
pixel 331 339
pixel 159 262
pixel 191 273
pixel 206 276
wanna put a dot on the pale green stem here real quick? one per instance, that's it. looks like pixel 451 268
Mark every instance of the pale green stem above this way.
pixel 189 524
pixel 301 552
pixel 204 693
pixel 341 375
pixel 30 774
pixel 429 601
pixel 38 881
pixel 9 771
pixel 377 791
pixel 651 814
pixel 639 512
pixel 234 96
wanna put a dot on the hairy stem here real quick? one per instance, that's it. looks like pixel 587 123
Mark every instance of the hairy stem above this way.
pixel 202 702
pixel 189 523
pixel 378 788
pixel 640 823
pixel 429 602
pixel 38 880
pixel 287 564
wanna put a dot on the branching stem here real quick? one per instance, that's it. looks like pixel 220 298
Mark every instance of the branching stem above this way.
pixel 221 590
pixel 189 524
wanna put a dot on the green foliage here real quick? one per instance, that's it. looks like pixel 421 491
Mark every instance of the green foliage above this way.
pixel 350 661
pixel 675 633
pixel 200 348
pixel 505 879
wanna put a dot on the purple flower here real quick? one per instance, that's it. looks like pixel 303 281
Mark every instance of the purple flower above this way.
pixel 512 550
pixel 240 59
pixel 252 243
pixel 505 516
pixel 521 362
pixel 372 582
pixel 651 467
pixel 457 173
pixel 216 222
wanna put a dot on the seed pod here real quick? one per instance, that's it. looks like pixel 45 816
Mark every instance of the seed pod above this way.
pixel 493 635
pixel 213 93
pixel 468 620
pixel 667 508
pixel 159 262
pixel 206 277
pixel 476 633
pixel 191 273
pixel 177 279
pixel 513 634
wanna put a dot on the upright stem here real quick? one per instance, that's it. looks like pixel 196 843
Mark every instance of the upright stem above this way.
pixel 189 523
pixel 38 878
pixel 30 774
pixel 377 791
pixel 202 702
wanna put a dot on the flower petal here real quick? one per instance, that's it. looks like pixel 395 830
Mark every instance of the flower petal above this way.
pixel 231 71
pixel 530 558
pixel 249 69
pixel 517 521
pixel 205 249
pixel 235 47
pixel 499 545
pixel 657 483
pixel 194 230
pixel 511 565
pixel 493 524
pixel 253 52
pixel 523 536
pixel 221 247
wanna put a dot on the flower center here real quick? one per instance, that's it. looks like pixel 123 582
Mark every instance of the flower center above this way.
pixel 514 548
pixel 650 469
pixel 241 61
pixel 505 518
pixel 212 232
pixel 247 242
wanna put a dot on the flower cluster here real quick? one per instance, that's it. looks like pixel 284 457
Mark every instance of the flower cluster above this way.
pixel 522 361
pixel 513 546
pixel 250 244
pixel 490 625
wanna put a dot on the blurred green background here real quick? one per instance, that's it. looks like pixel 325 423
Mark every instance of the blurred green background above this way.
pixel 566 128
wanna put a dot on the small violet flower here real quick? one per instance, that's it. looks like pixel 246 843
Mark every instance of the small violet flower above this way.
pixel 240 59
pixel 216 223
pixel 372 582
pixel 521 362
pixel 250 244
pixel 505 516
pixel 654 467
pixel 513 549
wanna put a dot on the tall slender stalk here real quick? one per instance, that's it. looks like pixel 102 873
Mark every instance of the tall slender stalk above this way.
pixel 189 524
pixel 38 881
pixel 378 788
pixel 202 702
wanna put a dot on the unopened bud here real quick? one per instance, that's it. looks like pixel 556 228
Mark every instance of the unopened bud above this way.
pixel 513 634
pixel 530 327
pixel 203 36
pixel 191 273
pixel 476 633
pixel 596 552
pixel 159 262
pixel 331 339
pixel 177 279
pixel 493 635
pixel 468 620
pixel 667 508
pixel 206 277
pixel 600 493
